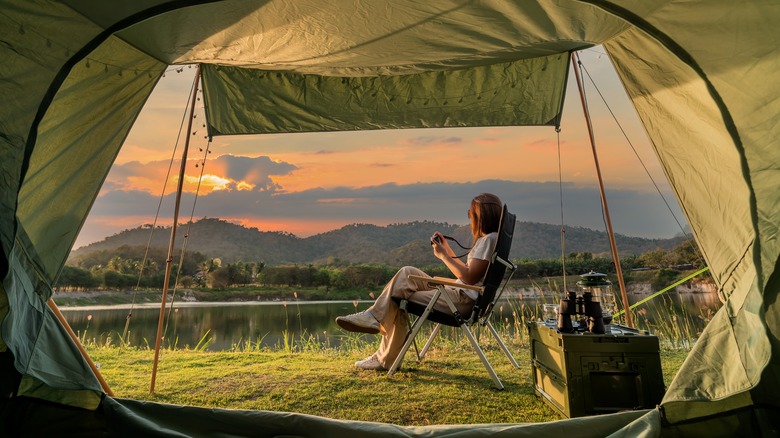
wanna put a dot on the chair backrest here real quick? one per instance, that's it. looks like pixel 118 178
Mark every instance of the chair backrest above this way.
pixel 496 271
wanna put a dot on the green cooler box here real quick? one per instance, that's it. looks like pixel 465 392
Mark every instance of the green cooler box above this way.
pixel 581 374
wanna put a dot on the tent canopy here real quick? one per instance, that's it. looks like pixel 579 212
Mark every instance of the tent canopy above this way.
pixel 701 75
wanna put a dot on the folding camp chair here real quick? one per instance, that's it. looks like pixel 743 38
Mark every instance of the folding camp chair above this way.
pixel 490 291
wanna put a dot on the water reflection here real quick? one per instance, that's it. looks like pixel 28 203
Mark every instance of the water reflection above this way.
pixel 229 325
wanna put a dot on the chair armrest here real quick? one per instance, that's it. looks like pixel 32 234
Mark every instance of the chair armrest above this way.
pixel 446 282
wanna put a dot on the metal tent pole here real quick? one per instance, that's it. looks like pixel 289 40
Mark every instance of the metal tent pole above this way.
pixel 612 244
pixel 169 260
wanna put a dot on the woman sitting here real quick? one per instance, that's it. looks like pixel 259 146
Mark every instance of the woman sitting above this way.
pixel 385 316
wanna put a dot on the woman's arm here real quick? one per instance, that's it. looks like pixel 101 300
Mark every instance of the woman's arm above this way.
pixel 469 273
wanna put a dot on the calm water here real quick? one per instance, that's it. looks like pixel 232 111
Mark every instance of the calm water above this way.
pixel 267 323
pixel 227 324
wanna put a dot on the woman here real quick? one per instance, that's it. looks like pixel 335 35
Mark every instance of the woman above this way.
pixel 384 315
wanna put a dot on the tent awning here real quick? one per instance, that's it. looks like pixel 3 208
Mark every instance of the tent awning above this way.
pixel 250 101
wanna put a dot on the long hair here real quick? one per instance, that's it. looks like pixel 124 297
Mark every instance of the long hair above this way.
pixel 485 214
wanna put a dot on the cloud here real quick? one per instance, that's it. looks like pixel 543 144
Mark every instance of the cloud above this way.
pixel 634 213
pixel 429 140
pixel 226 172
pixel 540 143
pixel 254 171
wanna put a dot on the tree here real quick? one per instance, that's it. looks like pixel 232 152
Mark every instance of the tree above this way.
pixel 186 281
pixel 150 268
pixel 664 277
pixel 629 262
pixel 686 253
pixel 75 278
pixel 654 259
pixel 209 265
pixel 115 264
pixel 116 280
pixel 527 269
pixel 219 278
pixel 240 273
pixel 259 266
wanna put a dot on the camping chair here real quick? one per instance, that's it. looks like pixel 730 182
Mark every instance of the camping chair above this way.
pixel 490 291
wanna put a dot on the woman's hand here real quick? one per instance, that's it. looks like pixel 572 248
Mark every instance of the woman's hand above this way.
pixel 438 250
pixel 440 246
pixel 436 243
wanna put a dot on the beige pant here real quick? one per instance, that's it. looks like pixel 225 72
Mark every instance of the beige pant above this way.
pixel 394 323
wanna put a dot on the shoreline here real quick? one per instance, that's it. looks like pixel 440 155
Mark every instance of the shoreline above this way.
pixel 66 308
pixel 97 300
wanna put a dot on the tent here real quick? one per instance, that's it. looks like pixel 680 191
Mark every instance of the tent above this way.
pixel 702 76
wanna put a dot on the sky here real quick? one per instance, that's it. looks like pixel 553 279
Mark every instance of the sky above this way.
pixel 310 183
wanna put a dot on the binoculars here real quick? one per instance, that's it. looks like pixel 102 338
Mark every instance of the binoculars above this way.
pixel 583 305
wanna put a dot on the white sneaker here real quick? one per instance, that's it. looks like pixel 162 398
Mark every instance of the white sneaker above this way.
pixel 370 363
pixel 362 322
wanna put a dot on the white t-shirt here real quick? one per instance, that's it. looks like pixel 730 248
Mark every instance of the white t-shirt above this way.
pixel 483 249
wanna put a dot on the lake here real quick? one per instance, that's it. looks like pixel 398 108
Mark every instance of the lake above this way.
pixel 268 323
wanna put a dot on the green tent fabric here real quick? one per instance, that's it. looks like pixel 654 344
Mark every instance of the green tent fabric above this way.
pixel 702 76
pixel 244 101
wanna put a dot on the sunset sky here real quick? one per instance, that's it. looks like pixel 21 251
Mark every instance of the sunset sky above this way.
pixel 311 183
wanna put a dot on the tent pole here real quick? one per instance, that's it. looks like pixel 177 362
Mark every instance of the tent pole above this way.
pixel 82 350
pixel 169 260
pixel 619 271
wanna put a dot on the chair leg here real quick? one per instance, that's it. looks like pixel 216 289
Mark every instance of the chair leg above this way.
pixel 410 339
pixel 409 331
pixel 502 345
pixel 475 345
pixel 415 329
pixel 482 357
pixel 429 342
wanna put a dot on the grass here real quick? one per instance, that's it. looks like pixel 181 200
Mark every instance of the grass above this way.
pixel 304 375
pixel 449 387
pixel 678 329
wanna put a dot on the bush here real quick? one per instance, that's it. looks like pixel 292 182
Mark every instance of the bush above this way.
pixel 118 281
pixel 219 278
pixel 664 277
pixel 74 278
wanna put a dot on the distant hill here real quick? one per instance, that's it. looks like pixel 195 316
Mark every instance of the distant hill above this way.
pixel 395 244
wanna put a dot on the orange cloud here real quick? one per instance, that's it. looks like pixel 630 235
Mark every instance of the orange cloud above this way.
pixel 208 183
pixel 244 186
pixel 225 172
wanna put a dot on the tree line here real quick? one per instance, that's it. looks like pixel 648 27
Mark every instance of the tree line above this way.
pixel 120 273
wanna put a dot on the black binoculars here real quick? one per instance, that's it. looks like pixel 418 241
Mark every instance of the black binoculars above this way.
pixel 573 305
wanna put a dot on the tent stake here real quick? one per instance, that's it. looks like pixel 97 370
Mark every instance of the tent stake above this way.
pixel 82 350
pixel 623 295
pixel 169 260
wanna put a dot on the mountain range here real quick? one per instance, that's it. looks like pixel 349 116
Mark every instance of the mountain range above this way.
pixel 394 244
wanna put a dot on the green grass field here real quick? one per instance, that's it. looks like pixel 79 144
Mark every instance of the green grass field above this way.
pixel 450 387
